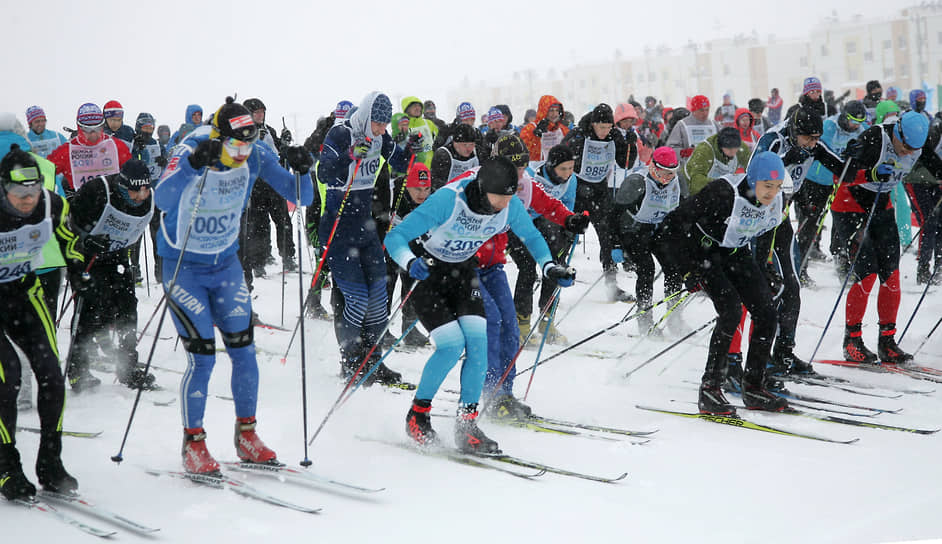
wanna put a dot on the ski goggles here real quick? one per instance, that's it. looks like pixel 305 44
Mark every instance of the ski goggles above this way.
pixel 237 148
pixel 858 120
pixel 24 182
pixel 92 130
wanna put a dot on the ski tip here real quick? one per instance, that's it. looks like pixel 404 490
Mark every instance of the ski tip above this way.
pixel 620 478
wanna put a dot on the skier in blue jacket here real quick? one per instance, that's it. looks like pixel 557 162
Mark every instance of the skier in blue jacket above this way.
pixel 350 160
pixel 203 192
pixel 454 222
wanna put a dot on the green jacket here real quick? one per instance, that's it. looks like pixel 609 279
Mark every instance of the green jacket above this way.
pixel 417 125
pixel 705 155
pixel 52 255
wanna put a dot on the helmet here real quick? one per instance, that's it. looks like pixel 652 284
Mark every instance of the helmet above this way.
pixel 254 104
pixel 912 129
pixel 806 121
pixel 852 112
pixel 233 120
pixel 498 176
pixel 625 111
pixel 764 166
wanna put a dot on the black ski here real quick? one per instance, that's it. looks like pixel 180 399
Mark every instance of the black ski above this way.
pixel 503 458
pixel 854 422
pixel 588 426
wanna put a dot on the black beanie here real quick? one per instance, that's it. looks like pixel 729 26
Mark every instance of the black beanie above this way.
pixel 134 175
pixel 873 84
pixel 559 154
pixel 463 133
pixel 510 147
pixel 728 138
pixel 602 114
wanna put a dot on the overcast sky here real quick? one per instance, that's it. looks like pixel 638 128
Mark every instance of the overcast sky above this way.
pixel 302 57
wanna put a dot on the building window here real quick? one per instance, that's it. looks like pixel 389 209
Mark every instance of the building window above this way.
pixel 868 56
pixel 803 62
pixel 903 70
pixel 824 50
pixel 851 48
pixel 901 41
pixel 852 74
pixel 888 72
pixel 887 44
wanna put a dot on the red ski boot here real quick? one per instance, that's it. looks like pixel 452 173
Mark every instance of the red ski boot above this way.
pixel 249 446
pixel 196 458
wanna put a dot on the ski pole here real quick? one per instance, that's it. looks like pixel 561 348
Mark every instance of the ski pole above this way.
pixel 549 322
pixel 79 302
pixel 850 271
pixel 628 317
pixel 379 362
pixel 918 304
pixel 146 265
pixel 926 339
pixel 154 313
pixel 356 372
pixel 74 292
pixel 580 299
pixel 670 347
pixel 306 462
pixel 118 457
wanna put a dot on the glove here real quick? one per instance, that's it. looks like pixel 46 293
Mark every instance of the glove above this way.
pixel 418 269
pixel 206 153
pixel 795 155
pixel 161 161
pixel 82 282
pixel 97 243
pixel 685 153
pixel 776 282
pixel 564 276
pixel 577 223
pixel 415 143
pixel 692 283
pixel 618 256
pixel 853 150
pixel 360 148
pixel 286 137
pixel 881 172
pixel 541 128
pixel 300 160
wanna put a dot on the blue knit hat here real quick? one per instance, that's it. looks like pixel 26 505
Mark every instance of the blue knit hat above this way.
pixel 811 84
pixel 465 111
pixel 765 166
pixel 381 112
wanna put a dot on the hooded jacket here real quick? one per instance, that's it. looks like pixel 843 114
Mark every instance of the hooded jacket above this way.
pixel 705 155
pixel 428 131
pixel 749 135
pixel 187 125
pixel 533 142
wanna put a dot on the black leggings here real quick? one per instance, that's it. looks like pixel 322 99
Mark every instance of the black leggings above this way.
pixel 809 203
pixel 596 198
pixel 639 246
pixel 789 305
pixel 559 241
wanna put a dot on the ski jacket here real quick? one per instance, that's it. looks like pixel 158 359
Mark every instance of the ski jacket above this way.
pixel 60 233
pixel 427 131
pixel 88 208
pixel 447 164
pixel 708 163
pixel 861 184
pixel 576 140
pixel 187 125
pixel 836 139
pixel 796 159
pixel 554 133
pixel 69 160
pixel 44 143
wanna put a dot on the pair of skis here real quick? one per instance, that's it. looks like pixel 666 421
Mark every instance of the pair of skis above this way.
pixel 42 504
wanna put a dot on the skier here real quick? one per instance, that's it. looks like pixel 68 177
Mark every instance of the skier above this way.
pixel 545 131
pixel 460 155
pixel 720 154
pixel 917 101
pixel 458 219
pixel 884 155
pixel 110 214
pixel 29 217
pixel 191 119
pixel 351 158
pixel 774 104
pixel 89 154
pixel 599 148
pixel 744 123
pixel 163 136
pixel 925 193
pixel 762 123
pixel 114 123
pixel 41 140
pixel 726 114
pixel 642 202
pixel 706 238
pixel 811 99
pixel 870 101
pixel 151 153
pixel 691 130
pixel 412 130
pixel 216 166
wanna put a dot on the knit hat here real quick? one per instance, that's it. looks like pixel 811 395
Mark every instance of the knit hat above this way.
pixel 665 157
pixel 418 176
pixel 559 154
pixel 381 111
pixel 495 114
pixel 811 84
pixel 342 108
pixel 465 111
pixel 602 114
pixel 728 138
pixel 510 146
pixel 144 119
pixel 699 102
pixel 89 115
pixel 765 166
pixel 33 113
pixel 134 175
pixel 625 111
pixel 113 108
pixel 463 133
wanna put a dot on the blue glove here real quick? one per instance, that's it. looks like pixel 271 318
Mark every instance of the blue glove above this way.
pixel 418 269
pixel 618 256
pixel 884 170
pixel 563 276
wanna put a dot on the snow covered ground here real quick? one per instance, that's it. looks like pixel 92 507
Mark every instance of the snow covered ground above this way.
pixel 693 482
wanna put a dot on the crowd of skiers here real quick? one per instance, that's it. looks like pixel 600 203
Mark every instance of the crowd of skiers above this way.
pixel 404 197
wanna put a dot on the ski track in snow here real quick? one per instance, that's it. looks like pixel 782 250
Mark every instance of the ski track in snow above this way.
pixel 693 482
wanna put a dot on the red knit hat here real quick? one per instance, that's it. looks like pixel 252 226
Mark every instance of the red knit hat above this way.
pixel 699 102
pixel 419 176
pixel 665 157
pixel 113 108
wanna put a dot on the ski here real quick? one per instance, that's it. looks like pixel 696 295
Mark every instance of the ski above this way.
pixel 858 388
pixel 546 428
pixel 269 326
pixel 451 454
pixel 854 422
pixel 885 368
pixel 802 401
pixel 819 400
pixel 588 426
pixel 509 459
pixel 74 434
pixel 45 508
pixel 235 486
pixel 80 503
pixel 297 475
pixel 739 422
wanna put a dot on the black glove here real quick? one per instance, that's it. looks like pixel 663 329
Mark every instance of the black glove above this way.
pixel 564 276
pixel 286 137
pixel 853 150
pixel 795 155
pixel 415 142
pixel 82 282
pixel 97 243
pixel 776 281
pixel 161 161
pixel 300 160
pixel 692 282
pixel 206 153
pixel 541 128
pixel 577 223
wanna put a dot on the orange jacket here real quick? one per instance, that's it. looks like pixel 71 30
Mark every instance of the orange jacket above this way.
pixel 526 133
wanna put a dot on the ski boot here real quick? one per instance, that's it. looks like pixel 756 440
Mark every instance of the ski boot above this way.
pixel 289 264
pixel 888 349
pixel 854 348
pixel 196 458
pixel 508 407
pixel 733 381
pixel 388 340
pixel 756 395
pixel 468 437
pixel 49 470
pixel 552 334
pixel 711 399
pixel 81 379
pixel 259 271
pixel 312 305
pixel 613 292
pixel 415 339
pixel 646 324
pixel 13 483
pixel 419 423
pixel 136 378
pixel 806 282
pixel 382 375
pixel 249 447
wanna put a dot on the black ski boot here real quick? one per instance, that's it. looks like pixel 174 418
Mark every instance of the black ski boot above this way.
pixel 136 378
pixel 81 379
pixel 507 407
pixel 468 437
pixel 289 264
pixel 711 399
pixel 13 483
pixel 733 381
pixel 888 349
pixel 419 423
pixel 415 339
pixel 784 361
pixel 615 293
pixel 854 348
pixel 312 305
pixel 49 470
pixel 755 394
